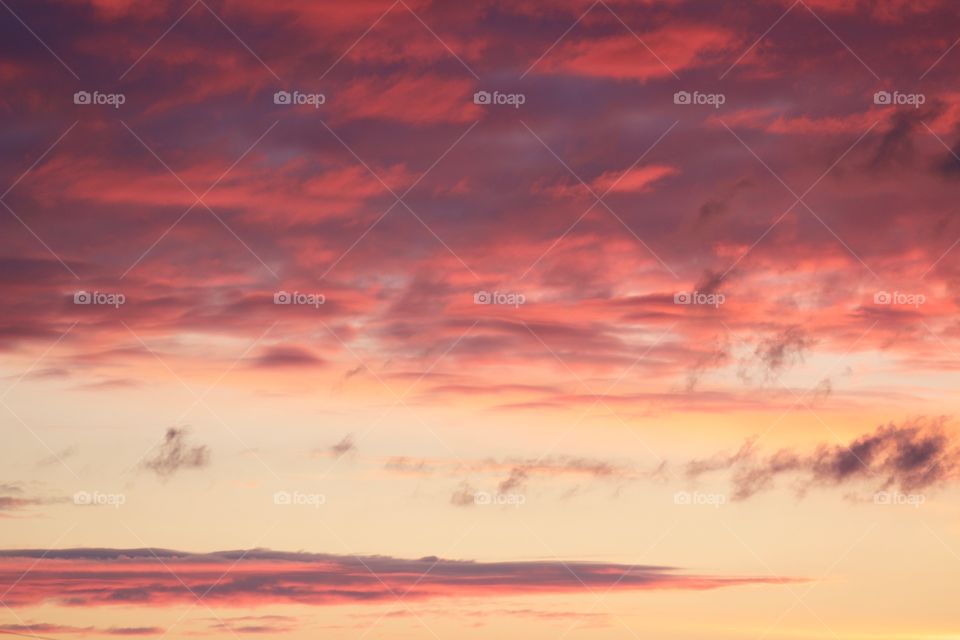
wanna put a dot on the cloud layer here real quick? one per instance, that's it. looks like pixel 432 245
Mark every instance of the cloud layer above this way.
pixel 495 198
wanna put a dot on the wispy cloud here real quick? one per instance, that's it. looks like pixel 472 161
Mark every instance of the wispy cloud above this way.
pixel 176 453
pixel 914 456
pixel 345 446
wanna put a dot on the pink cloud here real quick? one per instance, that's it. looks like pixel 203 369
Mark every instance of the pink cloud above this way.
pixel 636 180
pixel 143 577
pixel 623 56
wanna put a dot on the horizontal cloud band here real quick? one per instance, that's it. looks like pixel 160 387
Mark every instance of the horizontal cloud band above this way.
pixel 95 577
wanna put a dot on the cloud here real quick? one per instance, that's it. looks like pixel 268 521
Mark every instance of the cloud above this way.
pixel 636 180
pixel 713 358
pixel 516 481
pixel 896 146
pixel 176 454
pixel 567 465
pixel 584 618
pixel 13 499
pixel 718 205
pixel 301 202
pixel 57 457
pixel 32 630
pixel 515 473
pixel 464 496
pixel 916 456
pixel 822 391
pixel 775 353
pixel 260 577
pixel 721 461
pixel 287 356
pixel 345 446
pixel 400 97
pixel 949 165
pixel 14 503
pixel 408 466
pixel 41 627
pixel 622 56
pixel 254 624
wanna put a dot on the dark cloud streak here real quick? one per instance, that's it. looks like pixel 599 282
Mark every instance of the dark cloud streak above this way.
pixel 917 456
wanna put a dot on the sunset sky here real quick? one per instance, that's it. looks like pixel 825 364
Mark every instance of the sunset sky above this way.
pixel 432 319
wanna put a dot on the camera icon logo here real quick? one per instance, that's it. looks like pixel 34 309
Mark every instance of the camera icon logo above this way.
pixel 82 97
pixel 282 297
pixel 882 97
pixel 482 297
pixel 482 498
pixel 482 97
pixel 282 97
pixel 682 97
pixel 82 498
pixel 82 297
pixel 282 497
pixel 882 297
pixel 682 497
pixel 682 297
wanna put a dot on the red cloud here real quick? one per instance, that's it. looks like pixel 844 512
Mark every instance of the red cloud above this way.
pixel 299 211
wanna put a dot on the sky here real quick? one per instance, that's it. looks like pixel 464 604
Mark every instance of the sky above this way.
pixel 430 319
